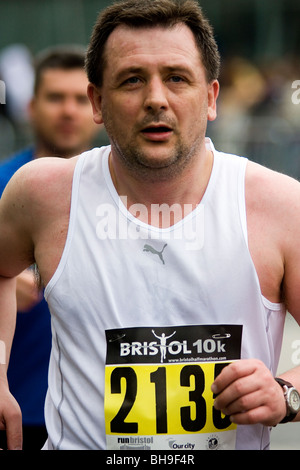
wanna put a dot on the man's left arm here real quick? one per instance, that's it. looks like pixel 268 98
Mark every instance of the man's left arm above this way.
pixel 246 389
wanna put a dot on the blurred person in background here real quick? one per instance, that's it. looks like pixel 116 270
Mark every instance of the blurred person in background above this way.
pixel 62 122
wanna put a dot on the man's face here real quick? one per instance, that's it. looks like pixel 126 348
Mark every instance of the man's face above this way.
pixel 61 112
pixel 155 100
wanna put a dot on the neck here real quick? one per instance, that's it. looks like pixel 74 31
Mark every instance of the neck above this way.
pixel 178 196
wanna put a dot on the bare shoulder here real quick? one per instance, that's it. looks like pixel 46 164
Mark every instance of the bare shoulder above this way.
pixel 34 212
pixel 272 193
pixel 44 175
pixel 273 219
pixel 40 184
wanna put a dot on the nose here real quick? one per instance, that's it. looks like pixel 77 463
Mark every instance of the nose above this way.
pixel 156 96
pixel 69 107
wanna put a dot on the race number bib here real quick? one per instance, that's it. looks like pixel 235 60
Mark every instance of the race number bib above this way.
pixel 158 387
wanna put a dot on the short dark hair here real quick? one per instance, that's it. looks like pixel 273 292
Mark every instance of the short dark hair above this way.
pixel 59 57
pixel 151 13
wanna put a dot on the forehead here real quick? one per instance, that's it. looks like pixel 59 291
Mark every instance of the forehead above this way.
pixel 149 45
pixel 59 78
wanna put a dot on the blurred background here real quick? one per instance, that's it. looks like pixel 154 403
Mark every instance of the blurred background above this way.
pixel 258 107
pixel 260 46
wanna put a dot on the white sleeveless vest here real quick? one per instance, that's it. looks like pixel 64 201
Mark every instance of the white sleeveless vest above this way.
pixel 141 311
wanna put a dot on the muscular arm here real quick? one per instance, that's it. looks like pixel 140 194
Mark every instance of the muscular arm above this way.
pixel 16 221
pixel 246 389
pixel 34 210
pixel 291 279
pixel 15 255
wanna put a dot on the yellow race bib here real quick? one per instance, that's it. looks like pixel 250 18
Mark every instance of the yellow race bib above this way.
pixel 158 387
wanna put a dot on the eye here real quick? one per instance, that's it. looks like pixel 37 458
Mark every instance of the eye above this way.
pixel 54 97
pixel 176 79
pixel 82 99
pixel 132 81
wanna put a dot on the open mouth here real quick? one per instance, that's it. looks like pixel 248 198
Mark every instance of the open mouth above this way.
pixel 157 133
pixel 160 129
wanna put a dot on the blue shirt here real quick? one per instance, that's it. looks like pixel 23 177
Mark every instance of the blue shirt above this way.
pixel 28 366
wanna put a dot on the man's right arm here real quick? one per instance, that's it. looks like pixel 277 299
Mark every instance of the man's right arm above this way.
pixel 16 253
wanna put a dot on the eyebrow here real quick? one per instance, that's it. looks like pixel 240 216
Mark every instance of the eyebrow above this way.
pixel 128 71
pixel 131 70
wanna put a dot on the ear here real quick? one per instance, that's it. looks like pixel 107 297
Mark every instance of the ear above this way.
pixel 213 93
pixel 95 98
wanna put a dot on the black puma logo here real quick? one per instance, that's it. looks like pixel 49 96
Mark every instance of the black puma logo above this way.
pixel 155 252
